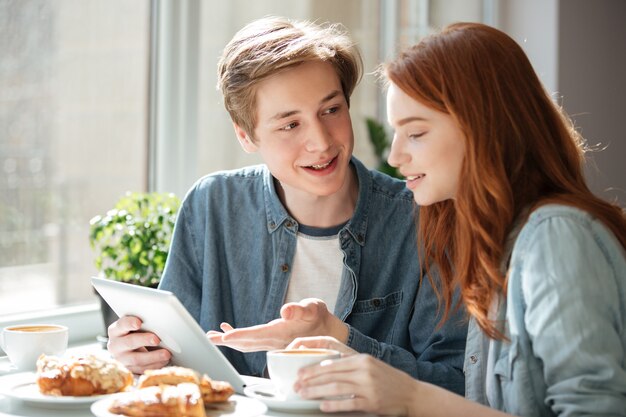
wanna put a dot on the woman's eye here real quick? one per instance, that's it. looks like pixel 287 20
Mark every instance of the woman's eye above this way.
pixel 416 136
pixel 290 126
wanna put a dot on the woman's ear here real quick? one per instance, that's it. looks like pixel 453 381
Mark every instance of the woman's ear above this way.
pixel 245 140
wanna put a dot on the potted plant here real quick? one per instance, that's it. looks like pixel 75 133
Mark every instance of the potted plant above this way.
pixel 132 240
pixel 378 138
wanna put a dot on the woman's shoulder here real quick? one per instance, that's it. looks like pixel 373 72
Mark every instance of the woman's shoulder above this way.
pixel 548 211
pixel 559 237
pixel 559 223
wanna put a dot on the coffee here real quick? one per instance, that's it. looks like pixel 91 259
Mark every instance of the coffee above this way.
pixel 24 343
pixel 283 366
pixel 34 328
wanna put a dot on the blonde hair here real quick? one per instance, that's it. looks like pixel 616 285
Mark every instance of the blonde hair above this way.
pixel 272 44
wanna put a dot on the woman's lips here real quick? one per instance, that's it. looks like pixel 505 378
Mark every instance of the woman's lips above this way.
pixel 413 180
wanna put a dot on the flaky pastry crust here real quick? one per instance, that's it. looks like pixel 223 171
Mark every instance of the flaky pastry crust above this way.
pixel 212 391
pixel 81 376
pixel 182 400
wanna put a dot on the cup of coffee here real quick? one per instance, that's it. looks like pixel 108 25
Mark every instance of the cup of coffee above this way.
pixel 283 366
pixel 24 343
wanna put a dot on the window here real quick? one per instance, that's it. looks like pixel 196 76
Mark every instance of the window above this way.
pixel 73 107
pixel 82 120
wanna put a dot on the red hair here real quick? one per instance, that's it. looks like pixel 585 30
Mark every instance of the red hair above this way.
pixel 522 151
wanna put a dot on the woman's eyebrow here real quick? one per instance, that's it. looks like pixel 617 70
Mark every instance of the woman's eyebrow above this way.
pixel 406 120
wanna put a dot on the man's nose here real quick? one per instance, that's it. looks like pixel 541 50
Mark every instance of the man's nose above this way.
pixel 318 138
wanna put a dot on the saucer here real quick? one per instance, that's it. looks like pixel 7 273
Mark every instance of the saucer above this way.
pixel 267 394
pixel 23 386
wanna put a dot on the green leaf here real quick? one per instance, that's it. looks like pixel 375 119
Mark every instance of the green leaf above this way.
pixel 378 138
pixel 126 238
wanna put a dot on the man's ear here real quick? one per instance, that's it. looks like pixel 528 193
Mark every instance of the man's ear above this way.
pixel 244 139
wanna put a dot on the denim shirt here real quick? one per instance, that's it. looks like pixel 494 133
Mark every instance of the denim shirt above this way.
pixel 565 318
pixel 234 243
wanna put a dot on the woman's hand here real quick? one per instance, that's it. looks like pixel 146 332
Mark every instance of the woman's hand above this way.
pixel 359 382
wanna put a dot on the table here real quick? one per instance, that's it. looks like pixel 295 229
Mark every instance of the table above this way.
pixel 10 407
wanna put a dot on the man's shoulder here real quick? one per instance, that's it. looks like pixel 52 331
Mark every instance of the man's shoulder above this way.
pixel 390 188
pixel 232 179
pixel 223 188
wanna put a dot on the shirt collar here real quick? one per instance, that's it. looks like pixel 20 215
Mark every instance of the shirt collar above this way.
pixel 356 226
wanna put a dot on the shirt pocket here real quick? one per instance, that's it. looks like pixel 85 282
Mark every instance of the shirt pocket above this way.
pixel 502 394
pixel 376 317
pixel 503 367
pixel 513 391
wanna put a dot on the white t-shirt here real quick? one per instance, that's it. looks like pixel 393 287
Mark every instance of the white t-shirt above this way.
pixel 317 266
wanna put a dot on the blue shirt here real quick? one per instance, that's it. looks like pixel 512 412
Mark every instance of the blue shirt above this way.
pixel 565 317
pixel 234 243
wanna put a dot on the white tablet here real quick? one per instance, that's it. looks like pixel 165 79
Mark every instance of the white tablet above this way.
pixel 163 314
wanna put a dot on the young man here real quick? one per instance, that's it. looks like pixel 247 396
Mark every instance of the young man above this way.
pixel 311 222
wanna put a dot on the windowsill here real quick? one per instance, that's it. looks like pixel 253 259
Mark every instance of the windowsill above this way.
pixel 84 321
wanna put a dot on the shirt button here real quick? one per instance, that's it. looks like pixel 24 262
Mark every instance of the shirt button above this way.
pixel 473 359
pixel 289 224
pixel 284 267
pixel 376 302
pixel 272 225
pixel 360 238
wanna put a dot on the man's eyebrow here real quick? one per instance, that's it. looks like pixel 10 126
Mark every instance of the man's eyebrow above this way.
pixel 285 114
pixel 289 113
pixel 330 96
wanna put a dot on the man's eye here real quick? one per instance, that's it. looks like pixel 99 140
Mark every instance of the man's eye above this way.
pixel 332 110
pixel 290 126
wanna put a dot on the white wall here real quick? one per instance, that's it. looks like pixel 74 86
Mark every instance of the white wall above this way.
pixel 534 25
pixel 578 48
pixel 592 81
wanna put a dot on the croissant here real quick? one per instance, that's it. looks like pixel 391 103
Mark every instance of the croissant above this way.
pixel 182 400
pixel 81 376
pixel 212 391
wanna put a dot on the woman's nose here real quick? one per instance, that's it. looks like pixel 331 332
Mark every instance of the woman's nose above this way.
pixel 397 154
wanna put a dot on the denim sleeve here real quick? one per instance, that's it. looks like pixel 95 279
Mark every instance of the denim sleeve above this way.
pixel 574 313
pixel 182 273
pixel 438 352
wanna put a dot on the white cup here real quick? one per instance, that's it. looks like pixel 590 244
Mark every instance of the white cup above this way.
pixel 283 366
pixel 24 343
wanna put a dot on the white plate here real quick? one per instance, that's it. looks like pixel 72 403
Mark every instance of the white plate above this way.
pixel 23 386
pixel 236 406
pixel 267 394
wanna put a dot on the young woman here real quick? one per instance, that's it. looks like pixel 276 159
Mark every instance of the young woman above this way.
pixel 540 261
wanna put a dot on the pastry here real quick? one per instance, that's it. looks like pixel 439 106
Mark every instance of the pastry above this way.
pixel 182 400
pixel 169 375
pixel 81 375
pixel 212 391
pixel 215 391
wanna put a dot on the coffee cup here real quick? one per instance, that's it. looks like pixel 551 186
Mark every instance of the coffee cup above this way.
pixel 24 343
pixel 283 366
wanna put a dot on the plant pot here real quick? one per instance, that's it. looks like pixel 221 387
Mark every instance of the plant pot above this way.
pixel 108 318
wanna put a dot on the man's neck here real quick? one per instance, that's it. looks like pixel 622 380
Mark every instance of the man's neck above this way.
pixel 322 211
